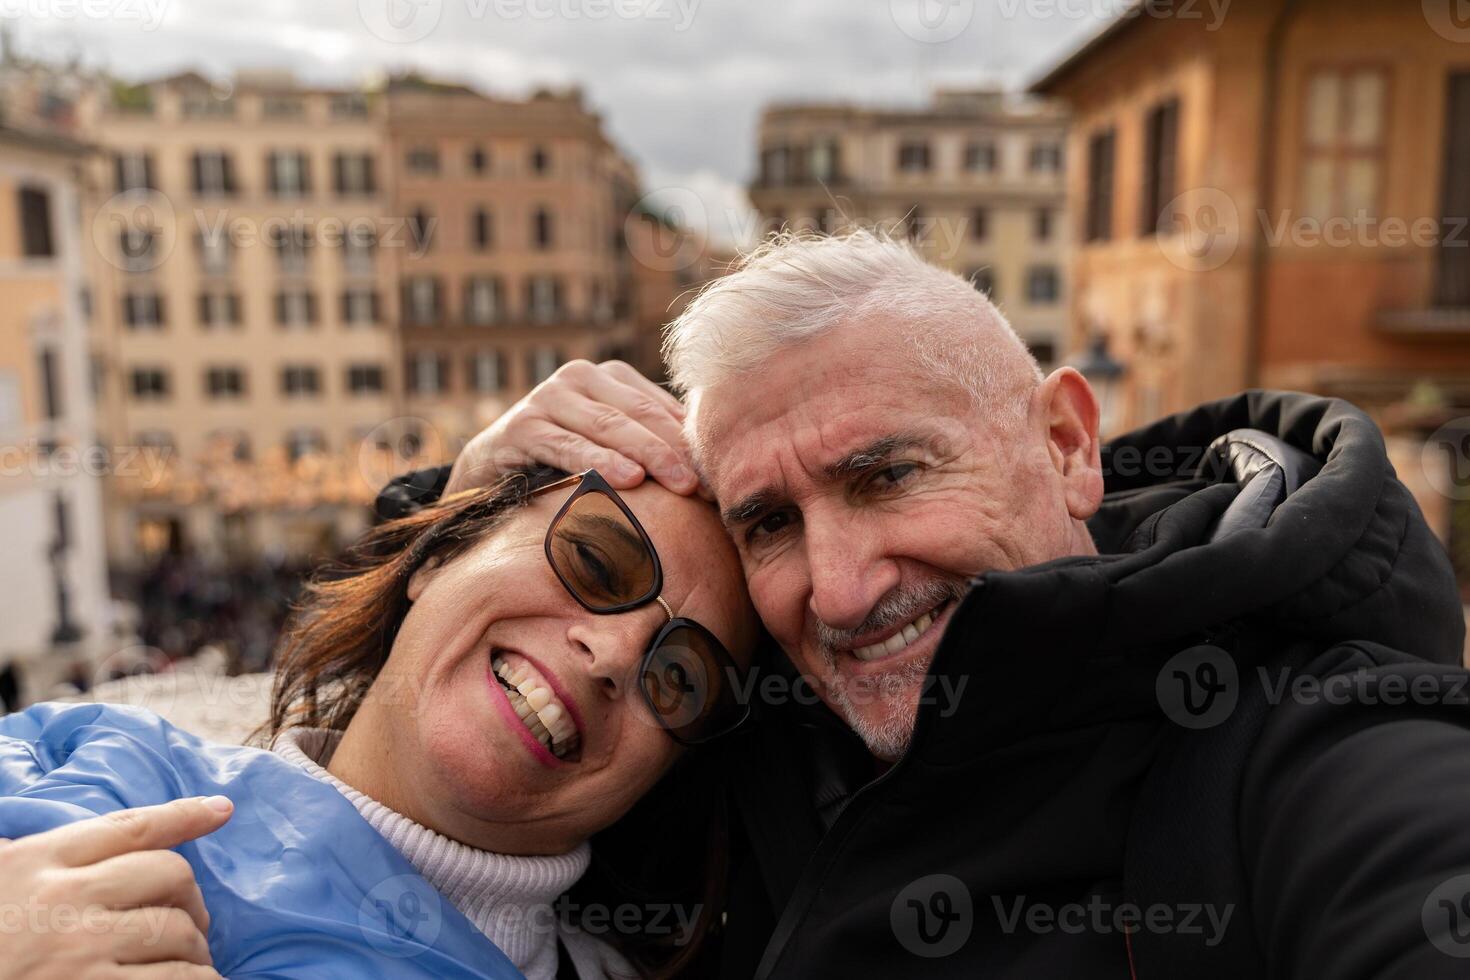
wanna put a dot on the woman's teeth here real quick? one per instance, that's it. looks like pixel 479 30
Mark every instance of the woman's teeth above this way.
pixel 537 707
pixel 901 639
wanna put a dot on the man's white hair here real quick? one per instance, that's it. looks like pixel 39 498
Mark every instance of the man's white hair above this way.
pixel 797 286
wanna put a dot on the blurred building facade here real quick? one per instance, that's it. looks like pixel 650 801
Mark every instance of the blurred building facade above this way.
pixel 516 261
pixel 975 179
pixel 242 324
pixel 1278 199
pixel 297 292
pixel 53 588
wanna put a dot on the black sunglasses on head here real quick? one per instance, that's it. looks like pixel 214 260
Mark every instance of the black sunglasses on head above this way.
pixel 605 559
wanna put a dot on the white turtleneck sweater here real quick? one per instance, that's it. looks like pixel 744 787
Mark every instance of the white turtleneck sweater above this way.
pixel 510 898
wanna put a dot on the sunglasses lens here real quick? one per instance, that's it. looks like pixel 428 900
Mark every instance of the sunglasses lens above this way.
pixel 600 554
pixel 685 681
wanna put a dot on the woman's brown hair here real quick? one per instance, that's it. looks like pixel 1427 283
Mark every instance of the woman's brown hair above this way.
pixel 338 638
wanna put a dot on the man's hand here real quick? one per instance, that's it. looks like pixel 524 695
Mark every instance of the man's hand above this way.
pixel 104 898
pixel 604 416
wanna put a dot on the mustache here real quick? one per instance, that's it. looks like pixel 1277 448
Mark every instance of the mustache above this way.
pixel 898 606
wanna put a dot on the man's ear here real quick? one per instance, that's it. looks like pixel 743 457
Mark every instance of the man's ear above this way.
pixel 1072 439
pixel 421 578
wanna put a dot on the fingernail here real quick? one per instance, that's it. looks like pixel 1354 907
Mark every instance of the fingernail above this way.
pixel 221 804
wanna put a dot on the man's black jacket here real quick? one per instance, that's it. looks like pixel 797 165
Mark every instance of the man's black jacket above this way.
pixel 1307 830
pixel 1053 819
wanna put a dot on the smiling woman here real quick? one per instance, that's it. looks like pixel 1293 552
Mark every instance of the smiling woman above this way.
pixel 482 727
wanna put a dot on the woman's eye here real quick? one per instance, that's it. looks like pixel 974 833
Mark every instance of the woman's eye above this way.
pixel 593 568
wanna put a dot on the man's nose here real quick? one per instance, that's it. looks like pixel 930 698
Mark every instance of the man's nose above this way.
pixel 613 646
pixel 849 572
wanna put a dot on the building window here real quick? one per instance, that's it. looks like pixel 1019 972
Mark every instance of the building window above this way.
pixel 1044 349
pixel 540 161
pixel 295 308
pixel 1160 158
pixel 478 161
pixel 1041 224
pixel 913 157
pixel 422 160
pixel 349 105
pixel 50 383
pixel 282 107
pixel 482 300
pixel 300 381
pixel 824 160
pixel 365 379
pixel 984 281
pixel 133 172
pixel 224 382
pixel 776 165
pixel 204 103
pixel 541 228
pixel 1342 143
pixel 541 363
pixel 1099 213
pixel 980 224
pixel 143 311
pixel 352 174
pixel 1044 158
pixel 980 157
pixel 420 230
pixel 427 373
pixel 914 224
pixel 214 253
pixel 219 309
pixel 304 442
pixel 543 299
pixel 291 246
pixel 214 174
pixel 487 372
pixel 360 305
pixel 482 229
pixel 358 245
pixel 34 205
pixel 421 300
pixel 150 384
pixel 137 249
pixel 1043 284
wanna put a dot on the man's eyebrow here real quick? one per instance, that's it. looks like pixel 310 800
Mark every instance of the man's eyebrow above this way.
pixel 749 507
pixel 875 453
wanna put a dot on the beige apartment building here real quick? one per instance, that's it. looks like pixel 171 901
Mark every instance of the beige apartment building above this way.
pixel 54 605
pixel 975 179
pixel 518 260
pixel 243 311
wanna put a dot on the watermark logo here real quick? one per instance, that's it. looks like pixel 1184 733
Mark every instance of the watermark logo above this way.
pixel 1445 459
pixel 933 916
pixel 1446 917
pixel 1199 230
pixel 148 13
pixel 1198 688
pixel 400 21
pixel 1450 19
pixel 660 228
pixel 136 230
pixel 932 21
pixel 401 916
pixel 397 446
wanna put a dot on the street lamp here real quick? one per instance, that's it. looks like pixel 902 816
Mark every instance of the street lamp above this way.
pixel 1103 372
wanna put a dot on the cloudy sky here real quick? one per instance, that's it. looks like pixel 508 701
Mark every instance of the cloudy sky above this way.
pixel 680 82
